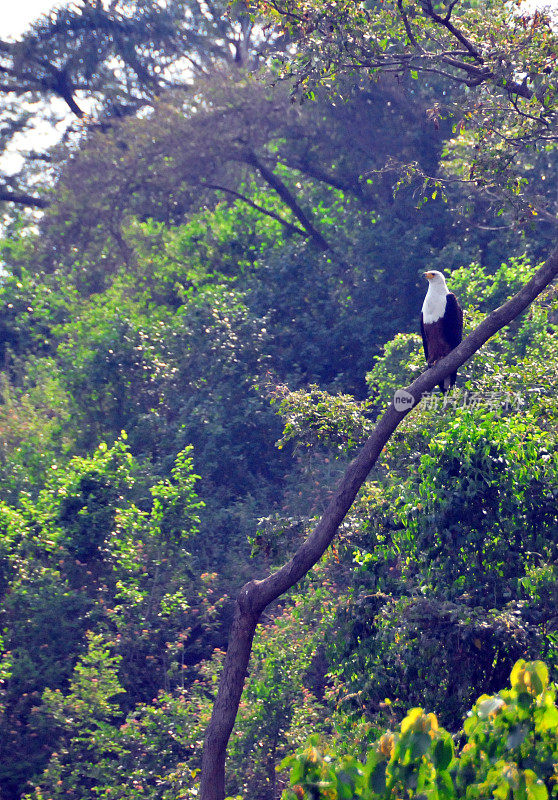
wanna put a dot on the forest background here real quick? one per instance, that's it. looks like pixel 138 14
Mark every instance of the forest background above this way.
pixel 210 291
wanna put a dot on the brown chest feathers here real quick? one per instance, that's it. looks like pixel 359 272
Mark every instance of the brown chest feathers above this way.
pixel 436 345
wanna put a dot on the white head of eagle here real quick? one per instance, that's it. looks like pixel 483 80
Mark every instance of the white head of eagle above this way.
pixel 441 323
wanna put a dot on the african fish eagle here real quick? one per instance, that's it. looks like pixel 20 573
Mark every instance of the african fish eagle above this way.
pixel 441 323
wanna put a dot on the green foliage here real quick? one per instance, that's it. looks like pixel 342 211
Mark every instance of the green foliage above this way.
pixel 454 543
pixel 401 361
pixel 477 288
pixel 485 46
pixel 509 751
pixel 154 750
pixel 83 556
pixel 483 504
pixel 33 428
pixel 150 753
pixel 222 248
pixel 511 361
pixel 33 303
pixel 336 421
pixel 92 689
pixel 281 700
pixel 415 649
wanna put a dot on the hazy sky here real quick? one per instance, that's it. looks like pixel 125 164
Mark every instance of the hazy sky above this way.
pixel 20 13
pixel 17 16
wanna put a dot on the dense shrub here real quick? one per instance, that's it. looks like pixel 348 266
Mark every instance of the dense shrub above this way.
pixel 510 751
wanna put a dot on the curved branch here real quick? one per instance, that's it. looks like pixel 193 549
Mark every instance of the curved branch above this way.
pixel 288 225
pixel 287 197
pixel 406 23
pixel 256 595
pixel 448 24
pixel 307 168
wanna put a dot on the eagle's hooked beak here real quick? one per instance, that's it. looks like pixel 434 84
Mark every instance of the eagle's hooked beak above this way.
pixel 428 275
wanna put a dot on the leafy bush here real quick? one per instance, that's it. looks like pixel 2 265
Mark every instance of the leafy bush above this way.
pixel 481 505
pixel 100 752
pixel 455 576
pixel 85 557
pixel 511 750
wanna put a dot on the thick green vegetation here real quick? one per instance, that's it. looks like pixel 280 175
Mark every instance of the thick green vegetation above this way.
pixel 510 750
pixel 219 298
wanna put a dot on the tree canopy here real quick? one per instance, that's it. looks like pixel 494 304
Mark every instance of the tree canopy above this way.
pixel 490 67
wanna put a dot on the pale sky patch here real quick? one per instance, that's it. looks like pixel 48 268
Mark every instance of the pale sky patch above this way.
pixel 19 14
pixel 551 5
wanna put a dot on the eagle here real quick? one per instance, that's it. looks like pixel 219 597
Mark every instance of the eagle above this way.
pixel 441 323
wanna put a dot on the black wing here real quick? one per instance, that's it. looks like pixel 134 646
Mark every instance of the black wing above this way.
pixel 422 333
pixel 452 321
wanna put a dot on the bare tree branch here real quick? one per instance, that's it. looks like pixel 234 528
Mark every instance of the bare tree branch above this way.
pixel 22 198
pixel 447 23
pixel 256 595
pixel 408 29
pixel 288 225
pixel 287 197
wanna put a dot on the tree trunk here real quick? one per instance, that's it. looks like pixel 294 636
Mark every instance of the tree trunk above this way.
pixel 228 698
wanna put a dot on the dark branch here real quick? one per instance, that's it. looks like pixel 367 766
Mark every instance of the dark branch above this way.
pixel 287 197
pixel 448 24
pixel 351 184
pixel 406 23
pixel 450 9
pixel 22 198
pixel 288 225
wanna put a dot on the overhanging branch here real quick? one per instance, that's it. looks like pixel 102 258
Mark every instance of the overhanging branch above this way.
pixel 288 198
pixel 288 225
pixel 455 32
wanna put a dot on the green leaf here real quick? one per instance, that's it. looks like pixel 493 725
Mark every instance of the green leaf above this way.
pixel 378 778
pixel 549 719
pixel 419 744
pixel 535 789
pixel 442 753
